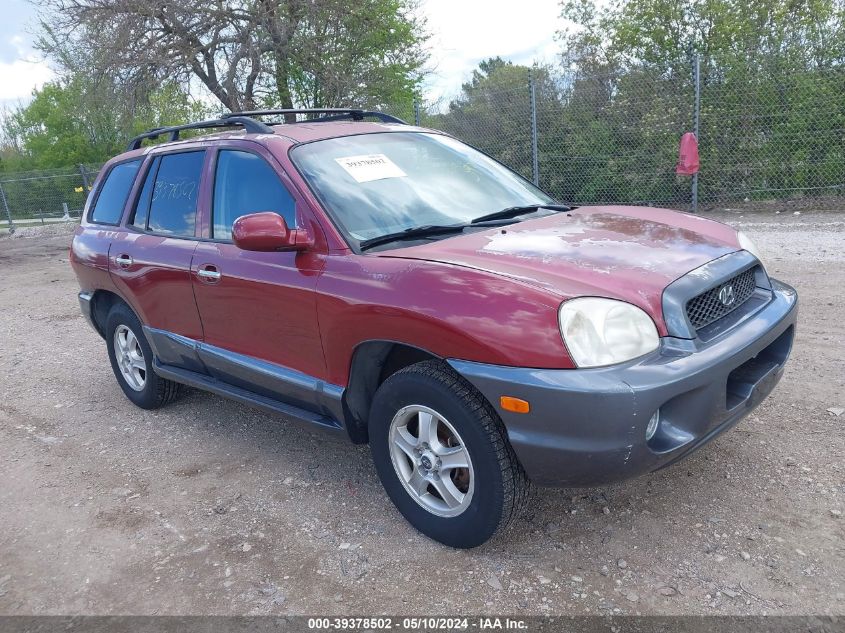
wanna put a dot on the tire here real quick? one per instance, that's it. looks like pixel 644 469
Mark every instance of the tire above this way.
pixel 483 497
pixel 148 391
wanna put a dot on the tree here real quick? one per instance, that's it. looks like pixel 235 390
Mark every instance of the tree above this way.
pixel 80 120
pixel 493 110
pixel 731 36
pixel 252 53
pixel 771 72
pixel 587 127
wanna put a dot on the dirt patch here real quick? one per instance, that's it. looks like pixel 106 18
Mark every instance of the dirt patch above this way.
pixel 208 506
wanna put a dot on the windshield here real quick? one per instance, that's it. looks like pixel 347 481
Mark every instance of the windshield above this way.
pixel 375 184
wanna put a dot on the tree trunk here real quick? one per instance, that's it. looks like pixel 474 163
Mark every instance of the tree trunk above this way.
pixel 283 89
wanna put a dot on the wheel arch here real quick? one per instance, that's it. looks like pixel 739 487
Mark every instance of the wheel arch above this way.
pixel 372 363
pixel 102 301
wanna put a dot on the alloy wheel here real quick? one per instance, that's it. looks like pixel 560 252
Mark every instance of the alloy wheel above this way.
pixel 431 460
pixel 130 358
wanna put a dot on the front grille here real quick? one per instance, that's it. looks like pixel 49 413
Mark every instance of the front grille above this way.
pixel 708 307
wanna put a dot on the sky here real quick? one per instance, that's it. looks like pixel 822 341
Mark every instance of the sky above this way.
pixel 464 32
pixel 20 67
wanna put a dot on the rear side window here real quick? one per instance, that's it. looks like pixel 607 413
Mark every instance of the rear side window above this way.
pixel 173 196
pixel 245 183
pixel 113 193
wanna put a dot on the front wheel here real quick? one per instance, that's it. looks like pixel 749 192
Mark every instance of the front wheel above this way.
pixel 443 456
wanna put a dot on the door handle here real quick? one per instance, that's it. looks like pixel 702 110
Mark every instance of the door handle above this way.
pixel 209 273
pixel 123 260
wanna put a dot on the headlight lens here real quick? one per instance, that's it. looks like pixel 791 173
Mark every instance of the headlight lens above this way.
pixel 746 244
pixel 601 332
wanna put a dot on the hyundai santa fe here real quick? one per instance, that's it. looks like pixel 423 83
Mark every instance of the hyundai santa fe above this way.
pixel 392 285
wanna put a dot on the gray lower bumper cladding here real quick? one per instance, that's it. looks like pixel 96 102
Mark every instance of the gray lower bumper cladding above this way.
pixel 587 426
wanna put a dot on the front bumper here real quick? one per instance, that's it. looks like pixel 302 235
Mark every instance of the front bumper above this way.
pixel 587 426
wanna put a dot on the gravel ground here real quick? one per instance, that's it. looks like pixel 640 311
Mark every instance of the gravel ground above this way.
pixel 209 507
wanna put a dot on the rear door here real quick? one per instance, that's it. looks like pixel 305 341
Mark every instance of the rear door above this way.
pixel 150 262
pixel 90 247
pixel 259 310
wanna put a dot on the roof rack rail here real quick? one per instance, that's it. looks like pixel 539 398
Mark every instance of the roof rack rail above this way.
pixel 335 114
pixel 249 125
pixel 252 126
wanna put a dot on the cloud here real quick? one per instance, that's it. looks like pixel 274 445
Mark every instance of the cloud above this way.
pixel 465 32
pixel 19 77
pixel 21 68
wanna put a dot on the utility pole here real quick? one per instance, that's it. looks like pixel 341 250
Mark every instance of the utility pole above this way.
pixel 8 213
pixel 535 166
pixel 86 186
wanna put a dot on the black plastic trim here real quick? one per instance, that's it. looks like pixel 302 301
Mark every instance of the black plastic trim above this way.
pixel 208 383
pixel 86 300
pixel 250 126
pixel 242 374
pixel 334 114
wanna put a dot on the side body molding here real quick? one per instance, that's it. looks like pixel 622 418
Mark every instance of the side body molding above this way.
pixel 246 379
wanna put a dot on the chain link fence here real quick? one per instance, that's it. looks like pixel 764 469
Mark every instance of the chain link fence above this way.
pixel 776 139
pixel 45 196
pixel 614 138
pixel 764 138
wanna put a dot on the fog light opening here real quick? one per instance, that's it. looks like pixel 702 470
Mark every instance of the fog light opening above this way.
pixel 651 429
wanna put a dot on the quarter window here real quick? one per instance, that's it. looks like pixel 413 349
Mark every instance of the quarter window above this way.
pixel 114 191
pixel 142 207
pixel 245 183
pixel 173 196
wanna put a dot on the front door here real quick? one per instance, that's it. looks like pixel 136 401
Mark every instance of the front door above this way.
pixel 258 310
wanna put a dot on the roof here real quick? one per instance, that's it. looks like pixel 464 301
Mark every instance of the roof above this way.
pixel 301 132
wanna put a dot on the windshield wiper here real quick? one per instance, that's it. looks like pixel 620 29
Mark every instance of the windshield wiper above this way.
pixel 415 231
pixel 511 212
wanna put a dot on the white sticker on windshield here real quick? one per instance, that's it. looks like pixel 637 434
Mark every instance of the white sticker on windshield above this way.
pixel 368 167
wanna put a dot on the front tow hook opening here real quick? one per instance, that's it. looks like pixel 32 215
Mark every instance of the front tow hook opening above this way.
pixel 663 437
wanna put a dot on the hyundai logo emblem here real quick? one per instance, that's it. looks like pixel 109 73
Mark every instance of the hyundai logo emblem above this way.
pixel 726 295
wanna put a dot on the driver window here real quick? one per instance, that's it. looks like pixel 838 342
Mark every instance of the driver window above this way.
pixel 244 183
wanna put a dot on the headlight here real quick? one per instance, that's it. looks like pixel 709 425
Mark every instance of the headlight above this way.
pixel 605 331
pixel 746 244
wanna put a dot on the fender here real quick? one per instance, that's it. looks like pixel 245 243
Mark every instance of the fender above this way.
pixel 436 307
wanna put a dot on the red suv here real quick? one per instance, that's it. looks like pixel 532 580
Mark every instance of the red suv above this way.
pixel 393 285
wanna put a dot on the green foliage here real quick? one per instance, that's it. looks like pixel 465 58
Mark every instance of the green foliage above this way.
pixel 598 141
pixel 609 118
pixel 72 122
pixel 732 36
pixel 371 58
pixel 609 121
pixel 772 95
pixel 495 98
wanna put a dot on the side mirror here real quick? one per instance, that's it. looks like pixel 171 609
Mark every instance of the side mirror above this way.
pixel 267 231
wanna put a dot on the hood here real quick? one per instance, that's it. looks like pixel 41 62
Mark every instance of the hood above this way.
pixel 627 253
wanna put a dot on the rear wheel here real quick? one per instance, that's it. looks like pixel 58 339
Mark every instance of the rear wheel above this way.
pixel 132 361
pixel 443 456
